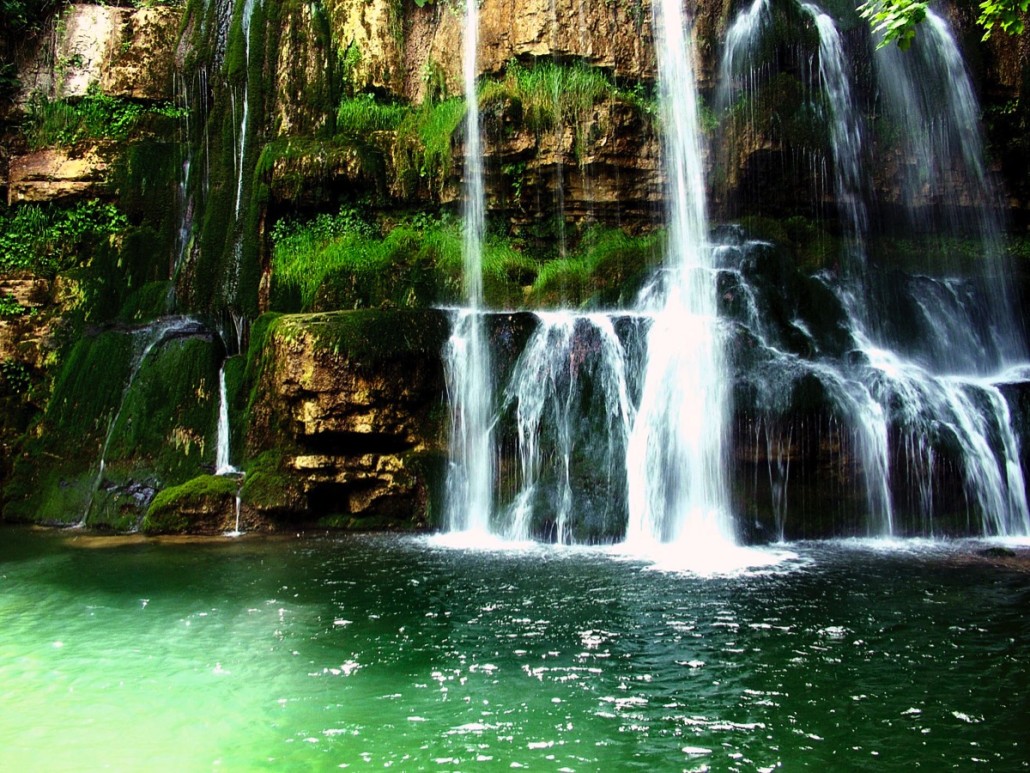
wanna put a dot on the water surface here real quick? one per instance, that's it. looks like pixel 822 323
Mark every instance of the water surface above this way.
pixel 374 651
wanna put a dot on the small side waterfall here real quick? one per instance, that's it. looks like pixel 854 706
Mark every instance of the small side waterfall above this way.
pixel 151 336
pixel 846 140
pixel 470 476
pixel 241 139
pixel 676 461
pixel 223 465
pixel 742 39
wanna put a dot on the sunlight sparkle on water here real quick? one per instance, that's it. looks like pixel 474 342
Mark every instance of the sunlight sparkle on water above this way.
pixel 478 540
pixel 712 559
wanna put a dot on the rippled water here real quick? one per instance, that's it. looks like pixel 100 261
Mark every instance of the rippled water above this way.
pixel 311 653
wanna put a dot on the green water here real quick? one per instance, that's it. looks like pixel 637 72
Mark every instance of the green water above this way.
pixel 372 652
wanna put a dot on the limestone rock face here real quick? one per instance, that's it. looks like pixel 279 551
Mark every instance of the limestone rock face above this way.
pixel 143 62
pixel 58 173
pixel 614 177
pixel 126 52
pixel 304 58
pixel 372 34
pixel 401 55
pixel 354 399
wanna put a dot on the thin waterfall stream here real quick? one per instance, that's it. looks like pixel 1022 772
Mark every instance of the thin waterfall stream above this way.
pixel 470 472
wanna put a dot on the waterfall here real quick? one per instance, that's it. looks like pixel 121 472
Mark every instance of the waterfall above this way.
pixel 152 335
pixel 970 325
pixel 570 396
pixel 675 460
pixel 913 379
pixel 222 464
pixel 470 477
pixel 845 139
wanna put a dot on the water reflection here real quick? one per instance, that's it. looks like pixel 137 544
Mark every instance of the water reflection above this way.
pixel 381 650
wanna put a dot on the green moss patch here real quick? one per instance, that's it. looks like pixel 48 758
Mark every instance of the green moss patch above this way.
pixel 370 337
pixel 202 502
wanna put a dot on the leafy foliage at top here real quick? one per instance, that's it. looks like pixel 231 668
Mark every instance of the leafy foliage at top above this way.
pixel 897 20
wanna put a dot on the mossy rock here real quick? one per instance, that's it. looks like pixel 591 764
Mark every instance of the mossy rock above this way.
pixel 145 401
pixel 204 504
pixel 370 337
pixel 269 489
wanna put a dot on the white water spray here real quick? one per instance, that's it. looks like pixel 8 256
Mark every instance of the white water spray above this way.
pixel 675 462
pixel 222 464
pixel 470 477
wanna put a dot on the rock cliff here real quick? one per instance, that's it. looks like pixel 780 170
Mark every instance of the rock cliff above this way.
pixel 288 175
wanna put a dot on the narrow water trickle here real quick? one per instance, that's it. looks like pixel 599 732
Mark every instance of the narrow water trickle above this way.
pixel 151 336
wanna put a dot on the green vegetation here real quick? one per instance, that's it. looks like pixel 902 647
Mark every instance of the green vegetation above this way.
pixel 9 306
pixel 46 238
pixel 607 267
pixel 344 261
pixel 897 20
pixel 167 513
pixel 551 95
pixel 95 116
pixel 15 378
pixel 423 144
pixel 359 116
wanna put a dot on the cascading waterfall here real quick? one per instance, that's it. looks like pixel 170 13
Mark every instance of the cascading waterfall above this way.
pixel 936 397
pixel 470 477
pixel 570 395
pixel 675 460
pixel 645 395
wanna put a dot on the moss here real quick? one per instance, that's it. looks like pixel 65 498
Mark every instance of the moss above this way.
pixel 169 512
pixel 147 303
pixel 87 391
pixel 167 421
pixel 267 487
pixel 370 337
